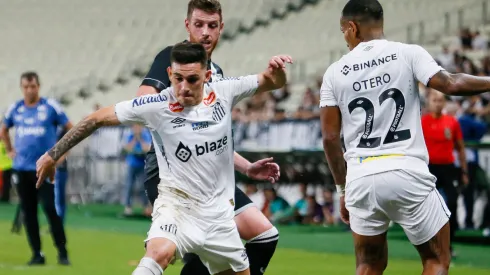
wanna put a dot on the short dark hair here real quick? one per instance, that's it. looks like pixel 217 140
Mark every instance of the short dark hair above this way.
pixel 363 10
pixel 209 6
pixel 29 76
pixel 188 52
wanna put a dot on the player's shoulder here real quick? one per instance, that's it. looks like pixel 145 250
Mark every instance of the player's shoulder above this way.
pixel 227 81
pixel 51 103
pixel 14 107
pixel 165 52
pixel 151 100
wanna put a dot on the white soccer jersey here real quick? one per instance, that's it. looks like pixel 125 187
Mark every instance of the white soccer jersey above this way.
pixel 194 145
pixel 376 88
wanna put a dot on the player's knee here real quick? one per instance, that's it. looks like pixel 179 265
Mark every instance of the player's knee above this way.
pixel 161 251
pixel 252 223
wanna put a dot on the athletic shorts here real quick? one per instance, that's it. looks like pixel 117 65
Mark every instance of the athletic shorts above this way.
pixel 408 198
pixel 242 201
pixel 217 244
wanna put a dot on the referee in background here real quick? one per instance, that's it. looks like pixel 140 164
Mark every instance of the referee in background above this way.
pixel 442 134
pixel 35 120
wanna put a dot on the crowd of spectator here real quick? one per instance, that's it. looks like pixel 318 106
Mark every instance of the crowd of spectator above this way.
pixel 309 209
pixel 269 106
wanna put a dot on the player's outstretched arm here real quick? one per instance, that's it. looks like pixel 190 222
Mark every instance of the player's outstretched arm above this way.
pixel 46 164
pixel 264 169
pixel 275 76
pixel 459 84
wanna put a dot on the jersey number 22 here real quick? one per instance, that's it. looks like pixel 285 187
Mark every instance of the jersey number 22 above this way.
pixel 393 135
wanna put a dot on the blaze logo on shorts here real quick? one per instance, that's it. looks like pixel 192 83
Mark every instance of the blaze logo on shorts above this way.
pixel 210 99
pixel 183 153
pixel 175 107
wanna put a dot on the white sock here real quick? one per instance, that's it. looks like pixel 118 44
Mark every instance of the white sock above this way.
pixel 148 266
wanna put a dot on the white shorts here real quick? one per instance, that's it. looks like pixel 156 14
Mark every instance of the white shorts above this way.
pixel 218 245
pixel 408 198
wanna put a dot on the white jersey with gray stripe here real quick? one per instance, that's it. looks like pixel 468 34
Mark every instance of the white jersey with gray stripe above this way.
pixel 194 145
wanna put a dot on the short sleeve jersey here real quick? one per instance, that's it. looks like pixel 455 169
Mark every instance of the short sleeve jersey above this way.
pixel 375 87
pixel 157 77
pixel 193 145
pixel 35 130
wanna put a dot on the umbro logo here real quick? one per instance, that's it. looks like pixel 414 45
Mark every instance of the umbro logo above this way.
pixel 345 70
pixel 178 121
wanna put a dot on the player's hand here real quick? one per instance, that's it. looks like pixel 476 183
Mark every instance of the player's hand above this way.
pixel 344 213
pixel 279 62
pixel 12 154
pixel 45 169
pixel 264 169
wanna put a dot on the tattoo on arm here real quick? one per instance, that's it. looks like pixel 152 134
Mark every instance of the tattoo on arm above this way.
pixel 78 133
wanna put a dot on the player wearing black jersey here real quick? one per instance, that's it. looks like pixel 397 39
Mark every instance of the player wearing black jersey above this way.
pixel 204 24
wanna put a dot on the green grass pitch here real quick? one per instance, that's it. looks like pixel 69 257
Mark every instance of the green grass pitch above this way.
pixel 101 243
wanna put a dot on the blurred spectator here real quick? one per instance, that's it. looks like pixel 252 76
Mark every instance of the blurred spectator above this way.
pixel 301 206
pixel 328 208
pixel 6 170
pixel 138 142
pixel 446 59
pixel 254 194
pixel 279 210
pixel 480 42
pixel 466 39
pixel 279 115
pixel 236 114
pixel 315 211
pixel 281 94
pixel 475 106
pixel 473 131
pixel 311 102
pixel 485 66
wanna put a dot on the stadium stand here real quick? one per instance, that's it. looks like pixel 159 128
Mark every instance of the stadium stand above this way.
pixel 92 46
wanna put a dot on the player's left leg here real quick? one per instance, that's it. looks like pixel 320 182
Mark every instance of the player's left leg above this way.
pixel 368 223
pixel 371 253
pixel 261 236
pixel 223 251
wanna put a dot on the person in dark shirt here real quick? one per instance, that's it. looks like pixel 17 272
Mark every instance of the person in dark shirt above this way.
pixel 204 23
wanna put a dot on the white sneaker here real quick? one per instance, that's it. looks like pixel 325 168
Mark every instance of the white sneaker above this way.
pixel 486 232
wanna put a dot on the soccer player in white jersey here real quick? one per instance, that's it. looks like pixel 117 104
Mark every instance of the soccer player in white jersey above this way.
pixel 371 94
pixel 191 127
